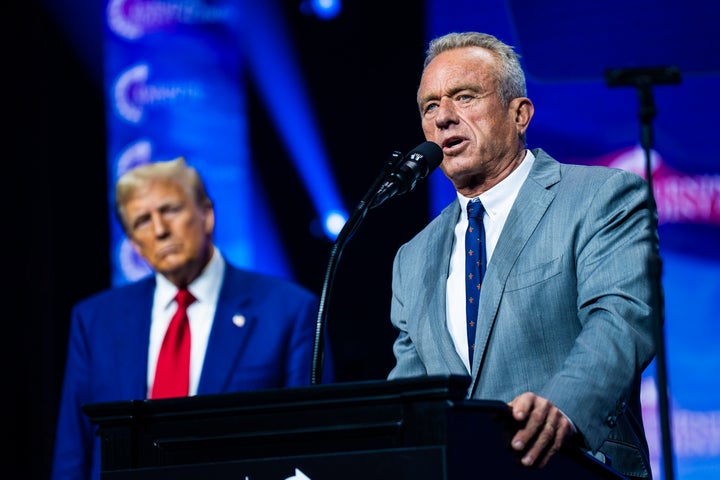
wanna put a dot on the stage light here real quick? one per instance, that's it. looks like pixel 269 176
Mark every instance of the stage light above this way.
pixel 334 222
pixel 292 112
pixel 322 9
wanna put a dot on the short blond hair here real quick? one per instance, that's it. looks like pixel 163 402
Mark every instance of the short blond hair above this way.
pixel 176 171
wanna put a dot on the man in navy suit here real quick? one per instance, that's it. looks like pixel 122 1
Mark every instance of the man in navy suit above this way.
pixel 571 296
pixel 248 331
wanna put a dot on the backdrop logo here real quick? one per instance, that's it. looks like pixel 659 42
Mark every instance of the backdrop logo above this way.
pixel 132 265
pixel 134 155
pixel 695 434
pixel 132 93
pixel 132 19
pixel 680 198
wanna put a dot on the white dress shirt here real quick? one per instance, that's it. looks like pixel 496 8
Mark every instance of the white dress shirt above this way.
pixel 497 202
pixel 206 290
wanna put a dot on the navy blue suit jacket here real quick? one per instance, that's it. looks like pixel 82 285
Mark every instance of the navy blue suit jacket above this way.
pixel 107 354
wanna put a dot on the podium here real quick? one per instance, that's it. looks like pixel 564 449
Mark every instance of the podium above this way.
pixel 400 429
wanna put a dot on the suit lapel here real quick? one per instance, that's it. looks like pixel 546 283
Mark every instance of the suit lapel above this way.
pixel 233 322
pixel 532 202
pixel 435 285
pixel 131 332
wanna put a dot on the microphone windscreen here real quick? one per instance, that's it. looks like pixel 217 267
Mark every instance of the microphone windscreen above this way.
pixel 429 154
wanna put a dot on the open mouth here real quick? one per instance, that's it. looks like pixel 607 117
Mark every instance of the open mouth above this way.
pixel 452 142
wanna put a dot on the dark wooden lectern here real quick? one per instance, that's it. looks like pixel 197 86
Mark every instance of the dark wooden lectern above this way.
pixel 403 429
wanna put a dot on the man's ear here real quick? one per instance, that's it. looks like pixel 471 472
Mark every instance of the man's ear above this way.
pixel 209 219
pixel 523 109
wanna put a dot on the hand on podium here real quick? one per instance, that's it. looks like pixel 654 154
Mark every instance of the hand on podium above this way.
pixel 545 429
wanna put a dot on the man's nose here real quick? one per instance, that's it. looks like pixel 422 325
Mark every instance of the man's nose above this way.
pixel 446 113
pixel 159 224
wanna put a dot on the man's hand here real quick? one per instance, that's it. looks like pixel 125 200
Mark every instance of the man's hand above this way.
pixel 544 429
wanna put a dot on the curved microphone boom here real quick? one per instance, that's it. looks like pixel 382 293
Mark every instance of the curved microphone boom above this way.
pixel 400 174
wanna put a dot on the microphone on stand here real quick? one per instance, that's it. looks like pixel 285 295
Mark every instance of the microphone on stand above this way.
pixel 400 174
pixel 403 177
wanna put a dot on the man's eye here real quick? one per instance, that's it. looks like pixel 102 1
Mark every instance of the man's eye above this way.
pixel 172 208
pixel 141 223
pixel 430 107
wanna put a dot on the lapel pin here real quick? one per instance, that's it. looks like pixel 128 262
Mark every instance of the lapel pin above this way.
pixel 238 320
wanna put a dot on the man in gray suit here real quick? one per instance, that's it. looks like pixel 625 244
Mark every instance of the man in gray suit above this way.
pixel 569 300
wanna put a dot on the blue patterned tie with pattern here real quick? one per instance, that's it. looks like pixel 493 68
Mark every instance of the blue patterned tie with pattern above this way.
pixel 475 260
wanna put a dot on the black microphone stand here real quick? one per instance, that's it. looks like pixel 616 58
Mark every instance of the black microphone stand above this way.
pixel 643 79
pixel 343 237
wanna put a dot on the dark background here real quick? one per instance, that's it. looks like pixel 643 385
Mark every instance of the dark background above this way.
pixel 362 70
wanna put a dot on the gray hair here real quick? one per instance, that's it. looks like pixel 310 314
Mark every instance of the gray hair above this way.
pixel 509 74
pixel 176 171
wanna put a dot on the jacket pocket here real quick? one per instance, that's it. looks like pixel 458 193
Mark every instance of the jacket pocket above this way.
pixel 533 275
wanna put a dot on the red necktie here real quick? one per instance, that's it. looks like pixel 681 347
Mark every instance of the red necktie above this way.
pixel 172 375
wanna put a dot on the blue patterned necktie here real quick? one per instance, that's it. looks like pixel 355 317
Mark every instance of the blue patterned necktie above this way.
pixel 475 260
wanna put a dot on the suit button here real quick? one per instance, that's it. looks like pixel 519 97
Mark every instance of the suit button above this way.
pixel 611 421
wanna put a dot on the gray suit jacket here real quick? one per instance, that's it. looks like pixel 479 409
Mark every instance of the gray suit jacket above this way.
pixel 567 308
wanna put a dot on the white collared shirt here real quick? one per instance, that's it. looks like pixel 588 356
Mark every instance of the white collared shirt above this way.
pixel 206 290
pixel 497 202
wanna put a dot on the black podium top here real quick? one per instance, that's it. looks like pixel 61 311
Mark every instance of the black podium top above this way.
pixel 422 428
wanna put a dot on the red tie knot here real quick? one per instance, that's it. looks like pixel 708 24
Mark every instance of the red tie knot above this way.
pixel 184 298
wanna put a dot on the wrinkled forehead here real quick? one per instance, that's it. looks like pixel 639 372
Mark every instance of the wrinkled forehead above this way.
pixel 153 194
pixel 458 69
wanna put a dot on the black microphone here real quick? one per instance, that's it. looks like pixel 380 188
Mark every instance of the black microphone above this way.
pixel 403 177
